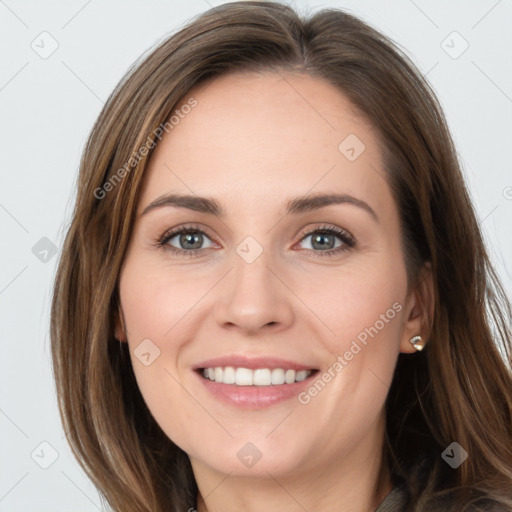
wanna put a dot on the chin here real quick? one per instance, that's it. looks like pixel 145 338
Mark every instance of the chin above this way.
pixel 246 458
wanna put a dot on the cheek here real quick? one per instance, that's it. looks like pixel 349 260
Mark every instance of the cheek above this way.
pixel 155 312
pixel 362 306
pixel 161 307
pixel 156 300
pixel 359 302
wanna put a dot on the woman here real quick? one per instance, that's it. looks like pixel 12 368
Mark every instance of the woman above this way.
pixel 274 292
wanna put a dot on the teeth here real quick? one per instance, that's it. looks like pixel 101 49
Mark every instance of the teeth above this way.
pixel 301 375
pixel 278 376
pixel 259 377
pixel 262 377
pixel 229 376
pixel 243 377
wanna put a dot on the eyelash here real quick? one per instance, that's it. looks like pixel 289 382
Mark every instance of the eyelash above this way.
pixel 345 236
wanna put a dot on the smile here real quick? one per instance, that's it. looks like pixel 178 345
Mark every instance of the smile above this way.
pixel 258 377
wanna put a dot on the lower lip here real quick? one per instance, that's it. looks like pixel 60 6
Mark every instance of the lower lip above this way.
pixel 254 397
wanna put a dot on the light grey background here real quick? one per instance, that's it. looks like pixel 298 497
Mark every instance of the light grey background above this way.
pixel 48 106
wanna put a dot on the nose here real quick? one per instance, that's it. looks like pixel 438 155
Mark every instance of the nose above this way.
pixel 254 297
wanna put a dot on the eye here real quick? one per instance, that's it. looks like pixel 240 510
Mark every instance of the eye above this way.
pixel 185 240
pixel 328 240
pixel 189 241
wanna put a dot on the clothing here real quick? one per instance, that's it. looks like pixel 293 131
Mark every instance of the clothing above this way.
pixel 396 499
pixel 393 502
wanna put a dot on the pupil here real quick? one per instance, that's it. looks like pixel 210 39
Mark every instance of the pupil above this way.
pixel 320 239
pixel 189 238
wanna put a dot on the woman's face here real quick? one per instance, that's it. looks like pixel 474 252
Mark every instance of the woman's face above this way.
pixel 291 276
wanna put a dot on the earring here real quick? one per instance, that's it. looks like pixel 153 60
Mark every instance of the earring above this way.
pixel 417 342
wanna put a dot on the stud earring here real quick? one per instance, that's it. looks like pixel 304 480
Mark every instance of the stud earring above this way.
pixel 417 342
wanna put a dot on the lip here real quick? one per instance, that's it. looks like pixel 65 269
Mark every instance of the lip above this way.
pixel 253 397
pixel 252 363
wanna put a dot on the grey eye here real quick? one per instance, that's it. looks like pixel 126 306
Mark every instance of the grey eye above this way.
pixel 189 240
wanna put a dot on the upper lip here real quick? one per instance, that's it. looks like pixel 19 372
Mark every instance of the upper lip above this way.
pixel 252 363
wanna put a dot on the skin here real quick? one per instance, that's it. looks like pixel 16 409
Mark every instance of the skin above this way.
pixel 253 142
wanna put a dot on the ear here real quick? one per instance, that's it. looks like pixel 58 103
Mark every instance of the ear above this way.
pixel 419 309
pixel 120 329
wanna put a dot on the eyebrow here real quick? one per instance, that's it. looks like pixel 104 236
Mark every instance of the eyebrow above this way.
pixel 295 206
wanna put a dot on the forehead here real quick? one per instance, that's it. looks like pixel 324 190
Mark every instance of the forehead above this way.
pixel 263 133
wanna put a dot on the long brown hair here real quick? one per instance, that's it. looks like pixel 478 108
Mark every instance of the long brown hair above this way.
pixel 458 389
